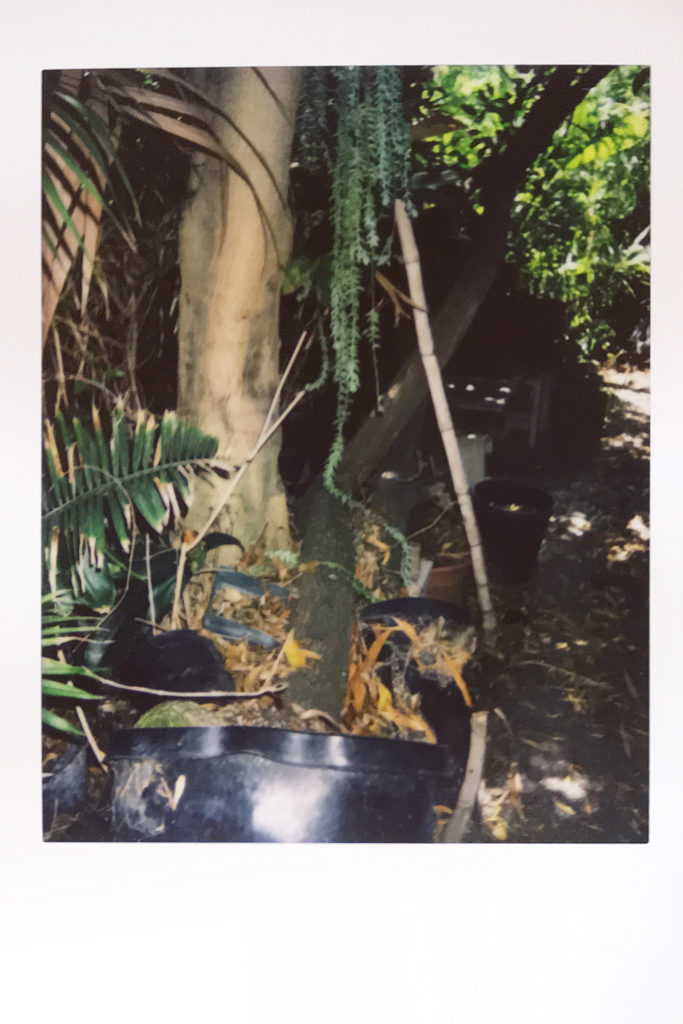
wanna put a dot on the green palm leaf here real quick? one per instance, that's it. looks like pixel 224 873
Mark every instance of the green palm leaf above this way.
pixel 60 626
pixel 93 489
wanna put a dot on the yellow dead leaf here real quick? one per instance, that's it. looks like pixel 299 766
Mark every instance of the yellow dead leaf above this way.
pixel 564 808
pixel 384 700
pixel 297 656
pixel 402 626
pixel 407 722
pixel 499 829
pixel 373 539
pixel 356 690
pixel 378 643
pixel 455 666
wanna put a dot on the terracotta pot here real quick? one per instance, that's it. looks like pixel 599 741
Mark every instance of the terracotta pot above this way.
pixel 450 580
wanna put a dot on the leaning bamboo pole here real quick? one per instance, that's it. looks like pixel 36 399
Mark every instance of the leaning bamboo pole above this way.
pixel 411 260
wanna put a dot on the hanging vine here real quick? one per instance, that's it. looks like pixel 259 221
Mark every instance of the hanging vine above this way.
pixel 352 127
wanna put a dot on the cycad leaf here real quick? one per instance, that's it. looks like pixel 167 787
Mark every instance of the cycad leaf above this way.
pixel 98 587
pixel 57 722
pixel 121 525
pixel 54 667
pixel 104 483
pixel 148 438
pixel 138 441
pixel 148 502
pixel 120 462
pixel 53 688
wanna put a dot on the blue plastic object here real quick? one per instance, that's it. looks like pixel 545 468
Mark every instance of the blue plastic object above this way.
pixel 230 628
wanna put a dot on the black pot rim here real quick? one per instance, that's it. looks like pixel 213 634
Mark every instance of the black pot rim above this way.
pixel 413 610
pixel 289 746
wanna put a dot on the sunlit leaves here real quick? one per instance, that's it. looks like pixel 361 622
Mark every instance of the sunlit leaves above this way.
pixel 580 228
pixel 578 222
pixel 487 104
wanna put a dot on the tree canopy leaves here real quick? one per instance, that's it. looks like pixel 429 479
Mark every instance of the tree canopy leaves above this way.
pixel 580 224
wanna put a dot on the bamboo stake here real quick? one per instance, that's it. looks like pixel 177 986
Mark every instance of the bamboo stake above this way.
pixel 411 260
pixel 467 798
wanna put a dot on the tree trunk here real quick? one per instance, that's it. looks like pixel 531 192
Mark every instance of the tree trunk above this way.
pixel 500 178
pixel 232 253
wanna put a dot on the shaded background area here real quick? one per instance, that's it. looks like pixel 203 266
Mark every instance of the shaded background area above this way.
pixel 570 761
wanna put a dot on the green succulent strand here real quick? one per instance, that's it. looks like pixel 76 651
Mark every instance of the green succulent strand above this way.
pixel 368 170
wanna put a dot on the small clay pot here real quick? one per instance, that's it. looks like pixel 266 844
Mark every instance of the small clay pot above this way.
pixel 450 579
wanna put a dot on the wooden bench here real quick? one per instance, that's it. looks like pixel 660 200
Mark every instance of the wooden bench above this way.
pixel 520 403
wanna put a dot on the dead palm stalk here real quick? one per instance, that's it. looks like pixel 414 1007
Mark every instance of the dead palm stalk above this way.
pixel 411 259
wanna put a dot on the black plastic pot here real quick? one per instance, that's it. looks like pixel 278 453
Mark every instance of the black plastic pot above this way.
pixel 64 790
pixel 180 661
pixel 513 519
pixel 416 610
pixel 441 702
pixel 250 784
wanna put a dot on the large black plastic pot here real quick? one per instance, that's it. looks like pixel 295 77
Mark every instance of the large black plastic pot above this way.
pixel 513 519
pixel 251 784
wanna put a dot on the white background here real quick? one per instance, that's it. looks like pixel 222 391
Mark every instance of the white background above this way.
pixel 465 933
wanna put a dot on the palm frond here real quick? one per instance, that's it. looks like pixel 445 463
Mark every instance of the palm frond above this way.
pixel 60 627
pixel 97 485
pixel 81 164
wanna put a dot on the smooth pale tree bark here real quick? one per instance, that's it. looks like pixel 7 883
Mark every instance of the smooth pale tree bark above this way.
pixel 232 253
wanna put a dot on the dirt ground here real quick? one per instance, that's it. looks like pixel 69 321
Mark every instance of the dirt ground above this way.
pixel 567 751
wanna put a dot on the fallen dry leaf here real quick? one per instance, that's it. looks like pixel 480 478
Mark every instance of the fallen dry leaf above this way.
pixel 455 667
pixel 297 656
pixel 384 701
